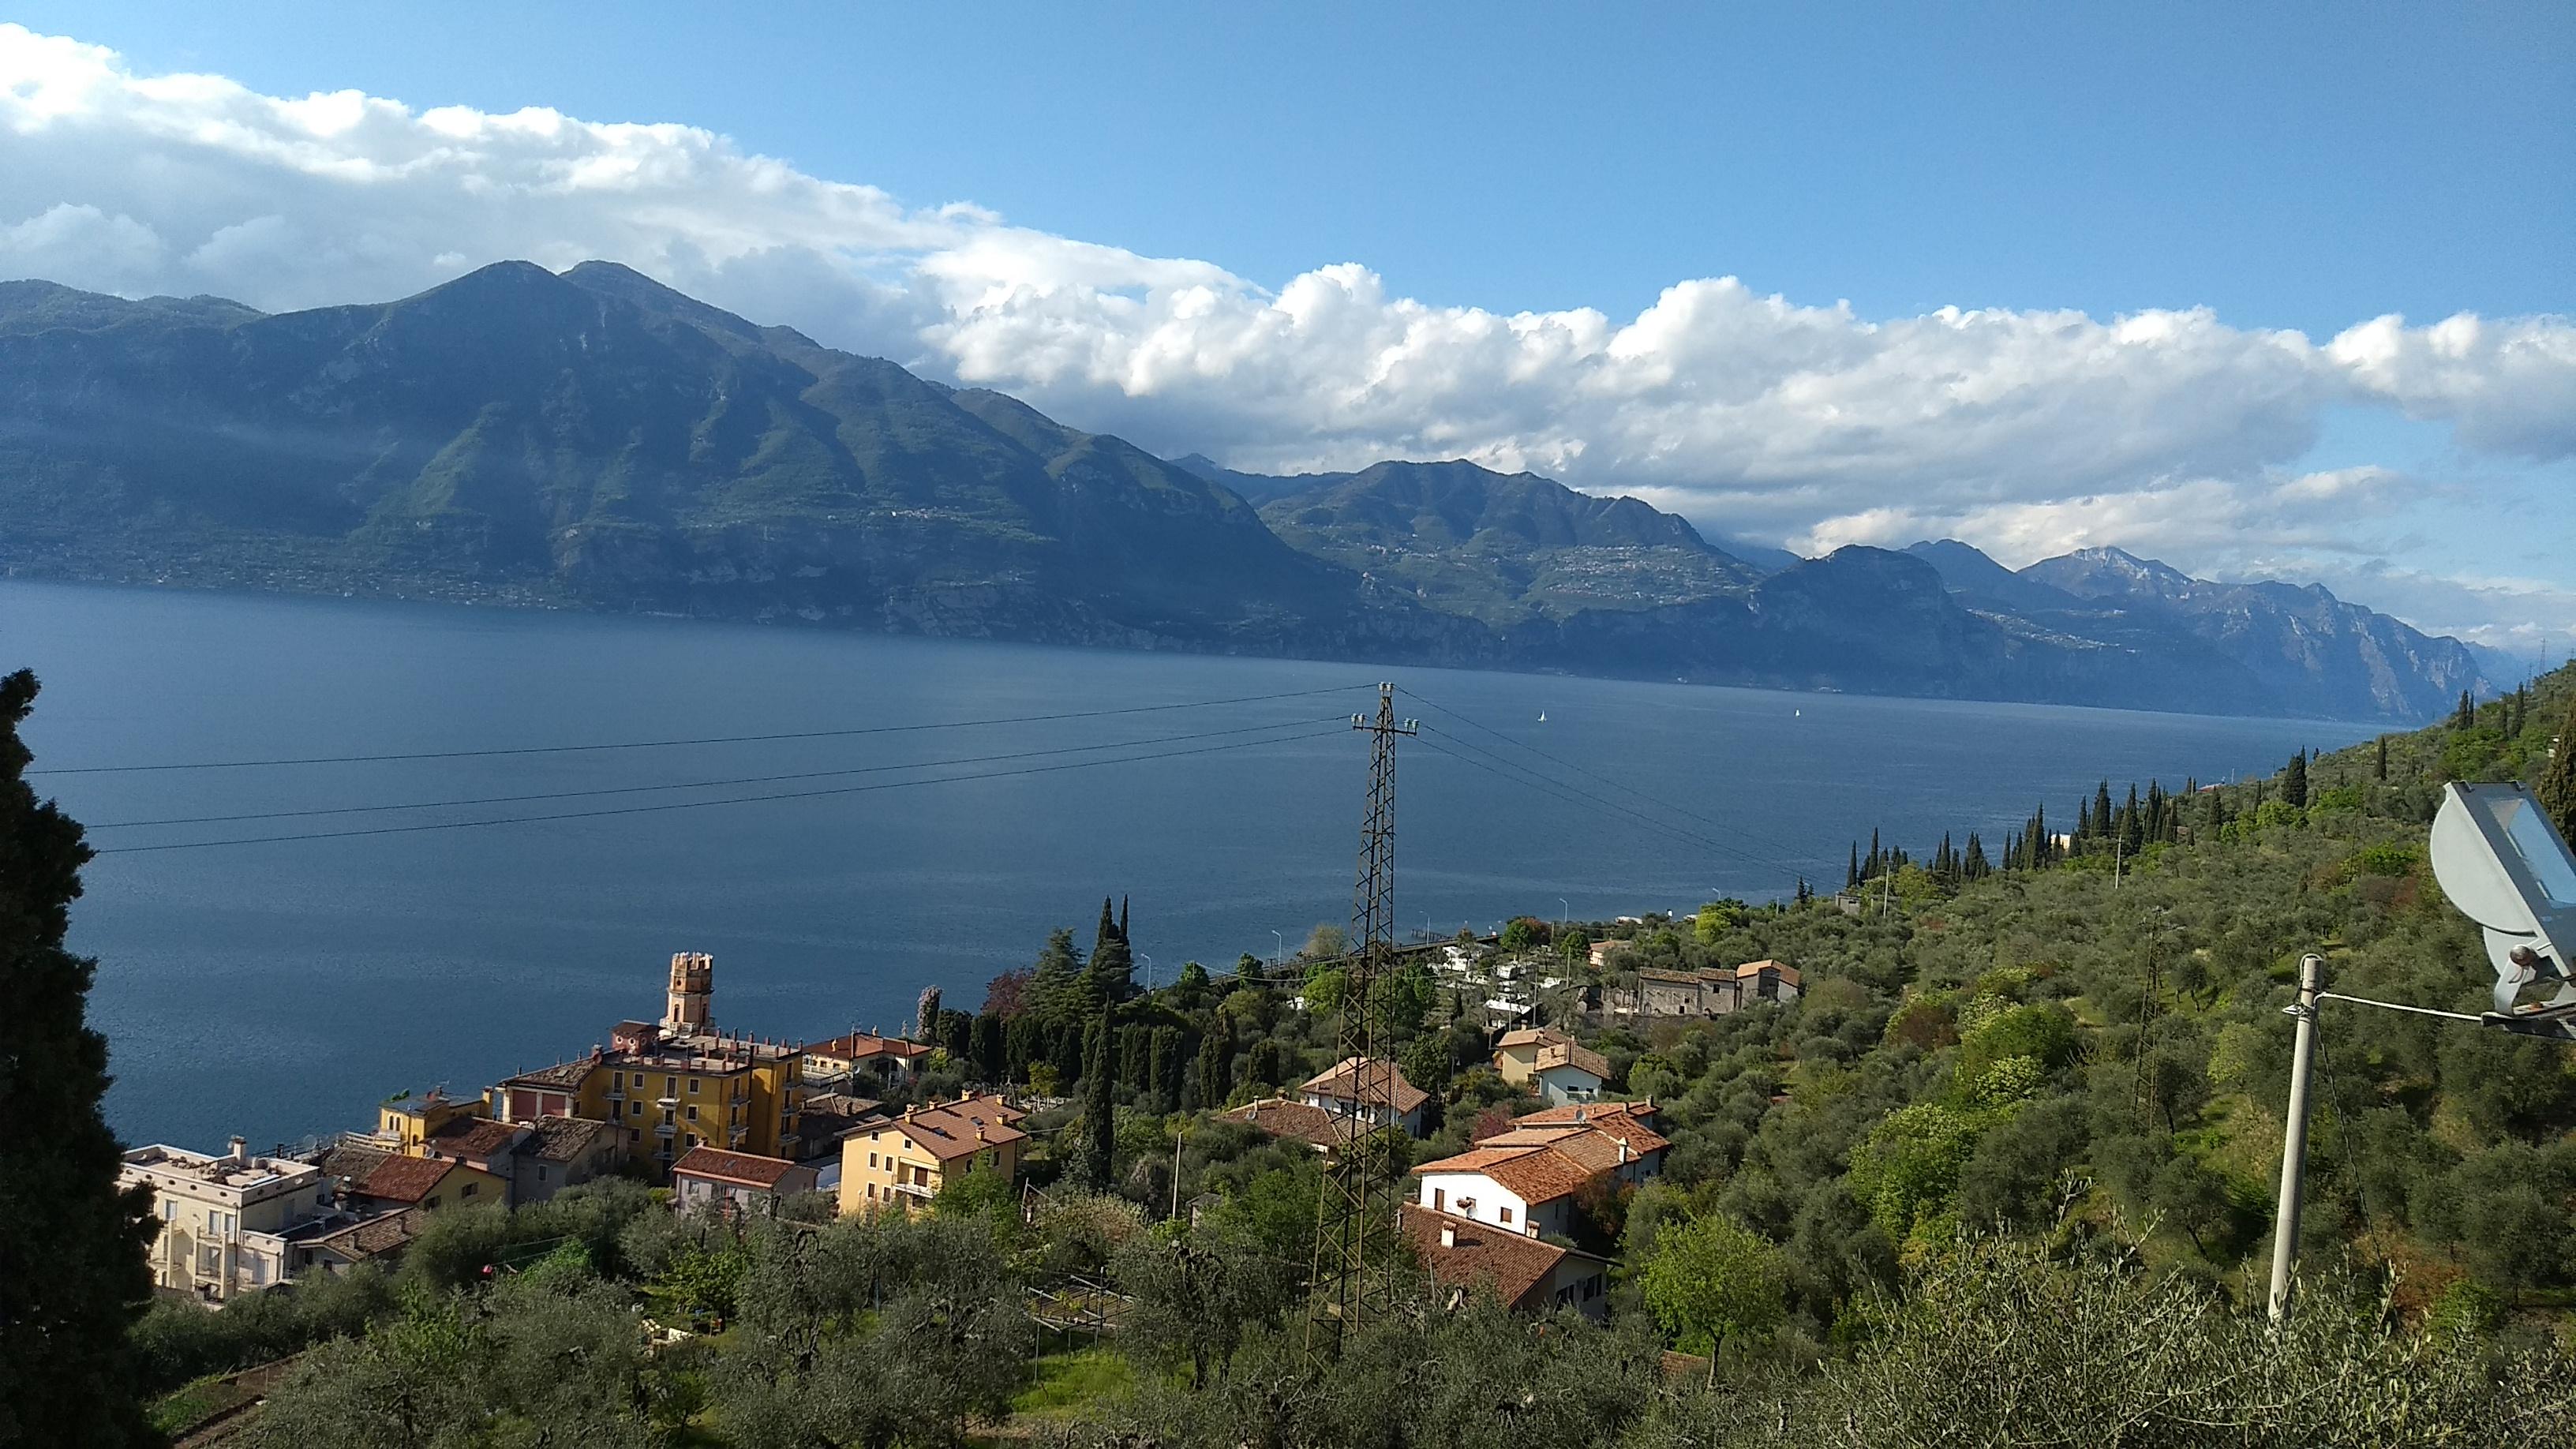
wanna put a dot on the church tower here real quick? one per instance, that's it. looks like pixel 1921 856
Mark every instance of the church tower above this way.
pixel 693 993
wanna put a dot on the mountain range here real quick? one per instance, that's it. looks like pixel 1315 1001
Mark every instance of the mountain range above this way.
pixel 595 439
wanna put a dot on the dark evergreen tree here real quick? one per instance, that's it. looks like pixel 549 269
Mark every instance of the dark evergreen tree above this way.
pixel 2103 824
pixel 2558 782
pixel 1099 1110
pixel 2294 782
pixel 1113 967
pixel 1215 1065
pixel 1851 877
pixel 1057 991
pixel 987 1047
pixel 73 1266
pixel 2379 766
pixel 1136 1056
pixel 1975 866
pixel 2466 716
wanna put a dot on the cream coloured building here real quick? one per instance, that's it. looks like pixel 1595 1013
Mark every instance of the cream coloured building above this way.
pixel 225 1220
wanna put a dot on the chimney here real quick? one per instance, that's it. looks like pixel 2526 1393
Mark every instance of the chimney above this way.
pixel 240 1155
pixel 1448 1235
pixel 1623 1152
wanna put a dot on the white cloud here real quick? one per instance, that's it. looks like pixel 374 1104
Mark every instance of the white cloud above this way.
pixel 2029 431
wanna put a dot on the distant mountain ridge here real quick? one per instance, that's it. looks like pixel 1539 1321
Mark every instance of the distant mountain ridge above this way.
pixel 593 438
pixel 2297 642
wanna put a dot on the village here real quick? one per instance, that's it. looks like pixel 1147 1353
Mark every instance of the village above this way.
pixel 743 1125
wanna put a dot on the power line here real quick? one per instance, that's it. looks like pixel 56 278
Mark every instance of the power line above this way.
pixel 1575 794
pixel 702 784
pixel 704 804
pixel 706 740
pixel 1647 796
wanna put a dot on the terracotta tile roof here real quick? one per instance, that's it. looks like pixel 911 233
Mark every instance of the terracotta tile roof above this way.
pixel 565 1139
pixel 390 1233
pixel 1542 1175
pixel 1588 1113
pixel 403 1179
pixel 352 1161
pixel 1604 1122
pixel 1535 1173
pixel 475 1137
pixel 957 1129
pixel 1756 968
pixel 1372 1081
pixel 1520 1270
pixel 1282 1118
pixel 748 1169
pixel 858 1046
pixel 561 1076
pixel 1525 1035
pixel 1571 1054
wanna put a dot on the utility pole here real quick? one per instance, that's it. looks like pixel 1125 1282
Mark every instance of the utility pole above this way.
pixel 2294 1139
pixel 1349 1204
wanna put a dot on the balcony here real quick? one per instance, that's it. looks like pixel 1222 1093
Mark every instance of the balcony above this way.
pixel 666 1130
pixel 915 1190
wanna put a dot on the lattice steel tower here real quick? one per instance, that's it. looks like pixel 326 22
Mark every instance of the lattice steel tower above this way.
pixel 1356 1199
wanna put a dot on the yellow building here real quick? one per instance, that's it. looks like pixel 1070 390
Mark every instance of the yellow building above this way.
pixel 408 1122
pixel 906 1160
pixel 672 1085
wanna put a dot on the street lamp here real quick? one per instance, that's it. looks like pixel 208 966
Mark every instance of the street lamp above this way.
pixel 1149 970
pixel 2500 860
pixel 1278 951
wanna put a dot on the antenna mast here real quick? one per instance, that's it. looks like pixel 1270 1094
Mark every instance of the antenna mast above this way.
pixel 1350 1203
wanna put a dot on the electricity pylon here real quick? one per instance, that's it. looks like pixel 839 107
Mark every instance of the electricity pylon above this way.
pixel 1355 1200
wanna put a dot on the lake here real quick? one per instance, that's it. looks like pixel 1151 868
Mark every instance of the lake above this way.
pixel 281 989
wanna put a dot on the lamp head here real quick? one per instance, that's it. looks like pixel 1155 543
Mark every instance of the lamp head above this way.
pixel 2504 865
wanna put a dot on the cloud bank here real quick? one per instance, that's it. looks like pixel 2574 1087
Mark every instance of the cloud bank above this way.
pixel 2024 431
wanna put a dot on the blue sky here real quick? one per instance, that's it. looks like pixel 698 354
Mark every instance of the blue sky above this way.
pixel 2295 167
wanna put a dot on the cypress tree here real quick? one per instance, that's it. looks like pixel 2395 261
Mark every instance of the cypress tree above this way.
pixel 2379 767
pixel 1851 877
pixel 1216 1056
pixel 73 1267
pixel 2558 782
pixel 2294 782
pixel 1113 967
pixel 2101 811
pixel 1976 866
pixel 987 1047
pixel 2466 716
pixel 1099 1109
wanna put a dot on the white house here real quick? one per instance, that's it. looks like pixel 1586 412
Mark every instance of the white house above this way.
pixel 1526 1189
pixel 225 1221
pixel 1526 1177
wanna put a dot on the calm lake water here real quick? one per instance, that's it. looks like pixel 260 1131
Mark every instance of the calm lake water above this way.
pixel 281 989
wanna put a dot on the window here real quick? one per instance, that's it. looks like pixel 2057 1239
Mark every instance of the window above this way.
pixel 541 1172
pixel 1506 1215
pixel 1439 1200
pixel 471 1188
pixel 431 1201
pixel 693 1089
pixel 670 1086
pixel 872 1159
pixel 635 1108
pixel 693 1107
